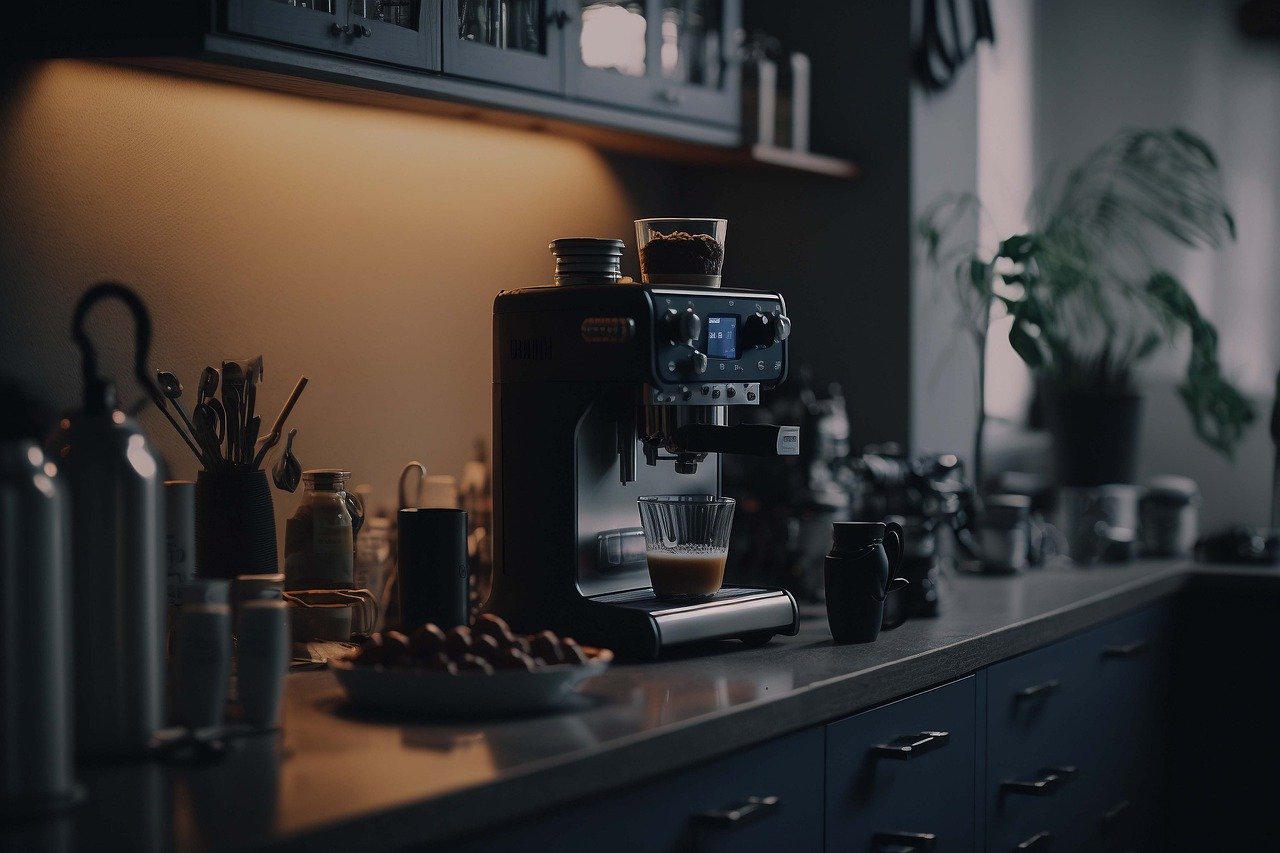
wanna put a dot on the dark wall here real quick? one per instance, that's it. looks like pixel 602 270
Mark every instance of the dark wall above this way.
pixel 838 250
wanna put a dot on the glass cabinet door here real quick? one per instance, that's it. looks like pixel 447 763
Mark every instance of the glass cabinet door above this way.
pixel 609 57
pixel 306 23
pixel 513 42
pixel 665 56
pixel 405 32
pixel 697 58
pixel 401 31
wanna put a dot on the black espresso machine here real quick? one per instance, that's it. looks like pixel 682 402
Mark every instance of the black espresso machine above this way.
pixel 603 393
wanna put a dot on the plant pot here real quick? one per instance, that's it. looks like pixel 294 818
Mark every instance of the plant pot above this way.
pixel 1095 436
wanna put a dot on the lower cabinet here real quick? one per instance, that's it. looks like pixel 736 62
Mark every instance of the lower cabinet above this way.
pixel 1059 749
pixel 1075 737
pixel 767 798
pixel 901 777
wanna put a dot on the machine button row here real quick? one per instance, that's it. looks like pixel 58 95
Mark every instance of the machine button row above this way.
pixel 718 394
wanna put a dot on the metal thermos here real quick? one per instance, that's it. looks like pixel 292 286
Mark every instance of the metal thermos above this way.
pixel 36 773
pixel 115 482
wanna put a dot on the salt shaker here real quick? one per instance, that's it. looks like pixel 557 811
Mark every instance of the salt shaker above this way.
pixel 202 654
pixel 262 659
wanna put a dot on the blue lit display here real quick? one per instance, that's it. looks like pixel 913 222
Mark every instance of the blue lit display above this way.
pixel 722 337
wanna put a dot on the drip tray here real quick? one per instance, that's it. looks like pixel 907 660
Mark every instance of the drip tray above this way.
pixel 732 612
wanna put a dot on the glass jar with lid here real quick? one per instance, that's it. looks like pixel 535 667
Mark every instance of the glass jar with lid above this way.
pixel 319 541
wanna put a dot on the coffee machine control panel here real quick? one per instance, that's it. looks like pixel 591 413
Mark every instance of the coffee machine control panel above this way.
pixel 718 348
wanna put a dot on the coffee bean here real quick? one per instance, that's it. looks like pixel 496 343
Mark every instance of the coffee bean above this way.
pixel 427 640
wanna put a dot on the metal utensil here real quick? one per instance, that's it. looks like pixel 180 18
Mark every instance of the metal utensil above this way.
pixel 207 424
pixel 273 438
pixel 287 472
pixel 208 384
pixel 231 406
pixel 171 388
pixel 250 438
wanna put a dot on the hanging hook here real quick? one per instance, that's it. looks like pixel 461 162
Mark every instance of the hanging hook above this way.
pixel 95 387
pixel 404 478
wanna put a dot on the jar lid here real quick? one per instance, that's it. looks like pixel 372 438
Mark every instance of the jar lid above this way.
pixel 325 478
pixel 1172 488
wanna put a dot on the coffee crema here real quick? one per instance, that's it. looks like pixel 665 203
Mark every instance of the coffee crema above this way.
pixel 676 575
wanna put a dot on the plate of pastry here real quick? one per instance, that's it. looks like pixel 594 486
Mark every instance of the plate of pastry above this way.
pixel 484 670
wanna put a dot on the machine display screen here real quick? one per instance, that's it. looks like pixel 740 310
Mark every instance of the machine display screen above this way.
pixel 722 336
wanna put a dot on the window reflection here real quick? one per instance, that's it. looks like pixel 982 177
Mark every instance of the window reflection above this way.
pixel 613 36
pixel 692 42
pixel 504 24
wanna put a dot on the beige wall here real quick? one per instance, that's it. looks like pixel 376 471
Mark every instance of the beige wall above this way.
pixel 360 246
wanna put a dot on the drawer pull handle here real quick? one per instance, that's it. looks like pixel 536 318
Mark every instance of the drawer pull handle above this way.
pixel 1051 779
pixel 1113 814
pixel 903 842
pixel 909 746
pixel 1039 841
pixel 754 807
pixel 1132 650
pixel 1037 690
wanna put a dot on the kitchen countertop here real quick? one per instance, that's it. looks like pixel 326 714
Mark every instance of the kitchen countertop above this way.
pixel 336 777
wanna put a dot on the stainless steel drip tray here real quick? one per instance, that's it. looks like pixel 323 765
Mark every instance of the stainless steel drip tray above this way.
pixel 730 613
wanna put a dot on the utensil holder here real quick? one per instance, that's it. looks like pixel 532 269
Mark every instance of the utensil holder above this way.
pixel 235 524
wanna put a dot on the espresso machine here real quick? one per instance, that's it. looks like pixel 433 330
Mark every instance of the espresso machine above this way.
pixel 604 392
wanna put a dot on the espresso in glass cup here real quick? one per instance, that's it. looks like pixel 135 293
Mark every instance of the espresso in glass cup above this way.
pixel 686 541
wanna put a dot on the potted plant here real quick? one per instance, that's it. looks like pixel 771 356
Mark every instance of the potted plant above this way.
pixel 1089 303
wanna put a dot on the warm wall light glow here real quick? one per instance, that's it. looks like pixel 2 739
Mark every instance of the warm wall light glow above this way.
pixel 359 246
pixel 614 37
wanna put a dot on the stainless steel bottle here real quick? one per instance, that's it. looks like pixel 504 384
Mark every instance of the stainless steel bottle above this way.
pixel 115 482
pixel 36 772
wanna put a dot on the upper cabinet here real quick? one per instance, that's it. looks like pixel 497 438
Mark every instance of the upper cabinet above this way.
pixel 672 57
pixel 513 42
pixel 624 74
pixel 403 32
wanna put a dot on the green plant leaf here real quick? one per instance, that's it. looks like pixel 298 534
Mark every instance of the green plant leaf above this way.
pixel 980 275
pixel 1018 248
pixel 1024 344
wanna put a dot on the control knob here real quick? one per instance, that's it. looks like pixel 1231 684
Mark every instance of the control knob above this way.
pixel 764 330
pixel 696 363
pixel 683 327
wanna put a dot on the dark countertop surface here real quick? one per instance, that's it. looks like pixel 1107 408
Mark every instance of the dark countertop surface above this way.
pixel 336 778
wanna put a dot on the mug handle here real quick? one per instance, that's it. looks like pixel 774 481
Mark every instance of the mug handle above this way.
pixel 895 559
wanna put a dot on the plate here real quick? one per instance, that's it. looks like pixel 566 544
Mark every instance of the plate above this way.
pixel 427 693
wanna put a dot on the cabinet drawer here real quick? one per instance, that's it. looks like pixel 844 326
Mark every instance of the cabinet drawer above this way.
pixel 1128 663
pixel 1080 721
pixel 906 767
pixel 766 798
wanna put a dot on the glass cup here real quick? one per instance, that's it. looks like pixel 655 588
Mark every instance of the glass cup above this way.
pixel 686 540
pixel 681 251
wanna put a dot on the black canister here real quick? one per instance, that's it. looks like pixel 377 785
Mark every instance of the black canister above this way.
pixel 432 572
pixel 587 260
pixel 859 574
pixel 235 524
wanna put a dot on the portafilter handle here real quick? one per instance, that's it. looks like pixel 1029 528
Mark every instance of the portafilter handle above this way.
pixel 745 439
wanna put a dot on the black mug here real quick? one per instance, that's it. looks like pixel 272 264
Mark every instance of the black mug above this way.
pixel 432 567
pixel 859 574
